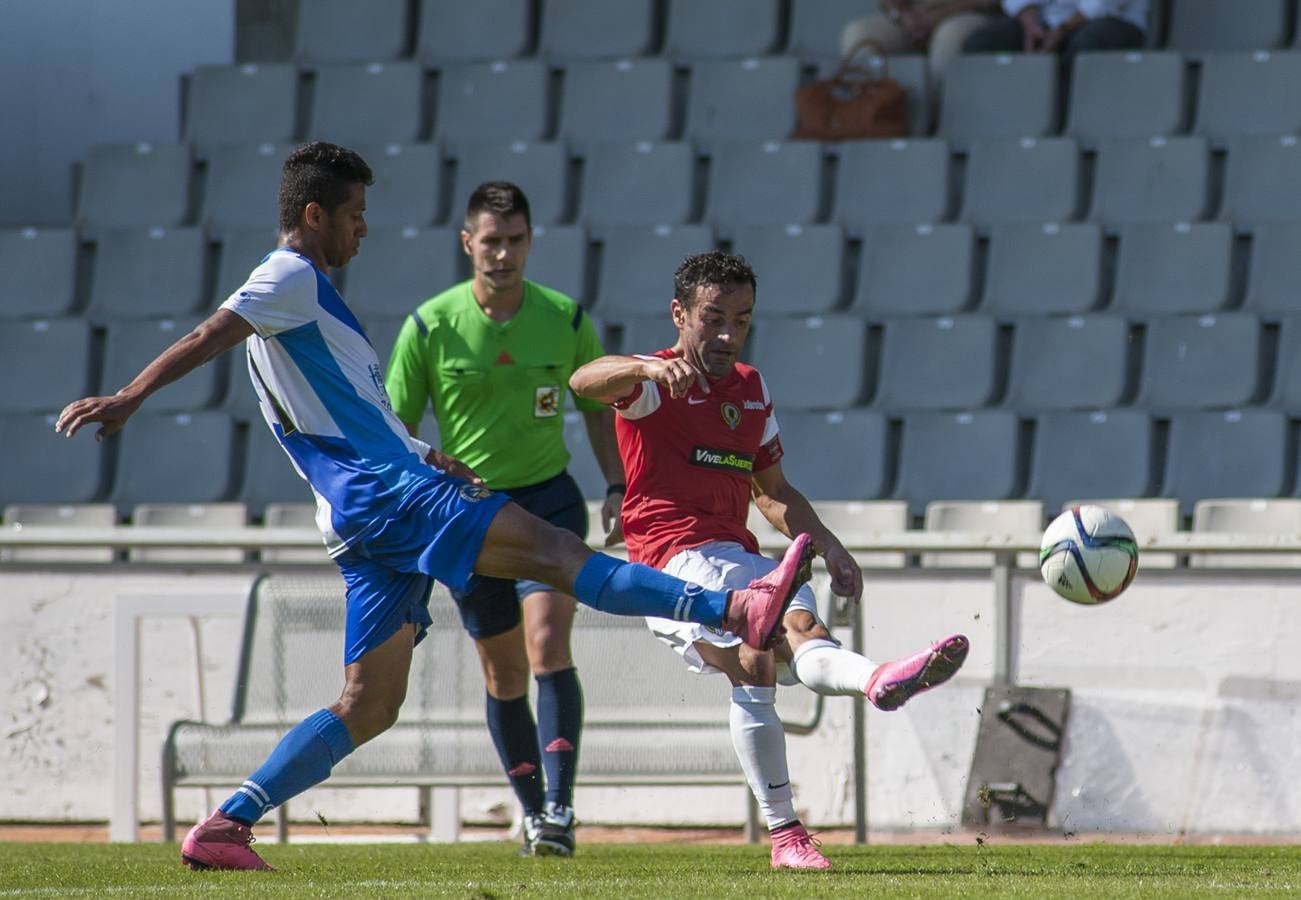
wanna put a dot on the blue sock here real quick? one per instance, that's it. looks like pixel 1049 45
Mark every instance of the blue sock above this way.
pixel 560 725
pixel 514 733
pixel 631 589
pixel 303 758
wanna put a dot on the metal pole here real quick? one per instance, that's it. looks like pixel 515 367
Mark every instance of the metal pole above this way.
pixel 1004 622
pixel 860 733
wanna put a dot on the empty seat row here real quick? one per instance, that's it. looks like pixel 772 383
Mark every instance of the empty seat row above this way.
pixel 437 31
pixel 1112 95
pixel 736 183
pixel 846 454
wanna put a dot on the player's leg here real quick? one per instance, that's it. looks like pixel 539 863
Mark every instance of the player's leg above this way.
pixel 387 615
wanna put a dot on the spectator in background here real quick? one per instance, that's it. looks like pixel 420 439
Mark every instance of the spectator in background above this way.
pixel 938 28
pixel 1063 26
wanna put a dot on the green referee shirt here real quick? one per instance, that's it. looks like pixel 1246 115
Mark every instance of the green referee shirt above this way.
pixel 497 388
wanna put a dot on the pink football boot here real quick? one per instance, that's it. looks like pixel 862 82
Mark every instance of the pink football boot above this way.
pixel 755 612
pixel 893 683
pixel 219 842
pixel 793 848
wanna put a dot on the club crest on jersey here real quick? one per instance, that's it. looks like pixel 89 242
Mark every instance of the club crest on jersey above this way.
pixel 474 492
pixel 731 415
pixel 546 401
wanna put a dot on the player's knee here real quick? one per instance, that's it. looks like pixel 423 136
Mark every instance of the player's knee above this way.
pixel 802 626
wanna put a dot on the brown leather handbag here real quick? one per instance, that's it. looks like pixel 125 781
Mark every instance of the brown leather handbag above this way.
pixel 856 101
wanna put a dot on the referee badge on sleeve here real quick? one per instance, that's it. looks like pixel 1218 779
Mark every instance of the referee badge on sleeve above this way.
pixel 546 401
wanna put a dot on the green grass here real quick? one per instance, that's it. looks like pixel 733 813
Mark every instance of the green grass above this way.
pixel 662 871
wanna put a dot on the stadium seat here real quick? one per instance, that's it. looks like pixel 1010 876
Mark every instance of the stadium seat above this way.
pixel 1044 269
pixel 1262 180
pixel 1201 362
pixel 915 270
pixel 1150 180
pixel 643 183
pixel 641 334
pixel 1147 517
pixel 129 185
pixel 355 103
pixel 242 250
pixel 558 259
pixel 1167 270
pixel 722 29
pixel 799 267
pixel 382 331
pixel 855 522
pixel 1073 362
pixel 42 466
pixel 1286 391
pixel 819 362
pixel 1129 94
pixel 539 169
pixel 582 462
pixel 59 515
pixel 1197 25
pixel 815 26
pixel 240 399
pixel 268 475
pixel 903 182
pixel 344 31
pixel 623 100
pixel 742 100
pixel 1006 517
pixel 991 96
pixel 911 70
pixel 38 272
pixel 249 103
pixel 843 454
pixel 408 188
pixel 132 344
pixel 1103 453
pixel 596 29
pixel 291 515
pixel 474 32
pixel 493 101
pixel 187 517
pixel 1029 180
pixel 1274 272
pixel 242 186
pixel 958 456
pixel 1233 453
pixel 148 272
pixel 637 266
pixel 47 361
pixel 1248 94
pixel 764 183
pixel 938 363
pixel 402 268
pixel 174 458
pixel 1252 517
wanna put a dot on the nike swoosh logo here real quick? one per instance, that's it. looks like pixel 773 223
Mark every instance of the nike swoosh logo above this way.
pixel 695 401
pixel 773 787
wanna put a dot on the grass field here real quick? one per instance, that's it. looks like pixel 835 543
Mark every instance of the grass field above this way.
pixel 664 871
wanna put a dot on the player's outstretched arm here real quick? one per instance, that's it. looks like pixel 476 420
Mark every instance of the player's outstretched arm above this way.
pixel 212 337
pixel 611 378
pixel 790 512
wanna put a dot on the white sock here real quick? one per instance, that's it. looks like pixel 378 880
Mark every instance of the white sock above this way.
pixel 760 743
pixel 825 667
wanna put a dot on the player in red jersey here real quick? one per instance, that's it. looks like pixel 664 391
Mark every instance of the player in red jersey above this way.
pixel 698 438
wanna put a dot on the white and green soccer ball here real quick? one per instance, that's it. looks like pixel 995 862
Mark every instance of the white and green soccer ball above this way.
pixel 1088 555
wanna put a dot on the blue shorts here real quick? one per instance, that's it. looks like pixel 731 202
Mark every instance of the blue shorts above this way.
pixel 434 534
pixel 491 606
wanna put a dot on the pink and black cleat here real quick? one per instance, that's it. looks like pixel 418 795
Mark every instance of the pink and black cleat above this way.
pixel 794 848
pixel 219 842
pixel 755 611
pixel 894 683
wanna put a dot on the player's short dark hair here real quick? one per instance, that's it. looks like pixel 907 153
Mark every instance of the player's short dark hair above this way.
pixel 714 267
pixel 319 173
pixel 499 198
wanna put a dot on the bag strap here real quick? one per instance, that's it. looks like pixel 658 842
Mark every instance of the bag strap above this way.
pixel 848 63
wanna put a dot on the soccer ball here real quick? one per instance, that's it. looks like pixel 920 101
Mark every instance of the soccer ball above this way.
pixel 1088 555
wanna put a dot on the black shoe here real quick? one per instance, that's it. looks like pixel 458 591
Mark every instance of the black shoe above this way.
pixel 532 829
pixel 556 835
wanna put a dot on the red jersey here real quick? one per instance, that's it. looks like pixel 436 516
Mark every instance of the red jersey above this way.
pixel 688 462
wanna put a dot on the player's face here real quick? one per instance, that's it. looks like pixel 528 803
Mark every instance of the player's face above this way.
pixel 713 329
pixel 344 228
pixel 498 247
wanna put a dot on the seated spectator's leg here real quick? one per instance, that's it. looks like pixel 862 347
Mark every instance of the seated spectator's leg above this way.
pixel 1105 33
pixel 1002 34
pixel 948 40
pixel 881 31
